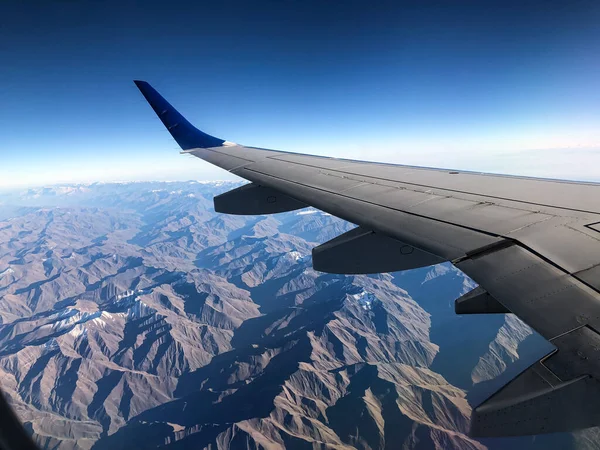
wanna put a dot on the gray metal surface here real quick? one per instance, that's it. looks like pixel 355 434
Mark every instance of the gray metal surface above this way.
pixel 479 301
pixel 556 193
pixel 361 251
pixel 590 276
pixel 529 405
pixel 252 199
pixel 546 298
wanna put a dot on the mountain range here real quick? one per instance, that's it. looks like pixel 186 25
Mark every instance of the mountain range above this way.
pixel 134 316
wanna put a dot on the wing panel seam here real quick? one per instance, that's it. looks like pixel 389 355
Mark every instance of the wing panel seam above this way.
pixel 445 189
pixel 374 204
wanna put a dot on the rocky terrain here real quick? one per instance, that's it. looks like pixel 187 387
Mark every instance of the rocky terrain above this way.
pixel 134 316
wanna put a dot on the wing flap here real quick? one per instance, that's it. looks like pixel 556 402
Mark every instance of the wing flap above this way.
pixel 360 251
pixel 559 393
pixel 531 405
pixel 479 301
pixel 564 240
pixel 252 199
pixel 547 298
pixel 567 313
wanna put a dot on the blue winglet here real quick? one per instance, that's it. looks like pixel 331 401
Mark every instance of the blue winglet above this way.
pixel 186 135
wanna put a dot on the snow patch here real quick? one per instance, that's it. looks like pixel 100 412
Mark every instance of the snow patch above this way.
pixel 66 313
pixel 215 183
pixel 139 309
pixel 306 211
pixel 296 256
pixel 437 271
pixel 76 317
pixel 65 190
pixel 78 330
pixel 50 345
pixel 365 299
pixel 126 294
pixel 68 190
pixel 79 319
pixel 99 321
pixel 75 321
pixel 6 272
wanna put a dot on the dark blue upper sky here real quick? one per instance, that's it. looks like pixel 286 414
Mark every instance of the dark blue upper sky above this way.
pixel 469 85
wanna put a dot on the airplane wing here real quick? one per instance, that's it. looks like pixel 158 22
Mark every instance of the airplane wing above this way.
pixel 532 245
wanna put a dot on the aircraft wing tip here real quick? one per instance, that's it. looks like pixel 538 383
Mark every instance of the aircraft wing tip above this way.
pixel 186 135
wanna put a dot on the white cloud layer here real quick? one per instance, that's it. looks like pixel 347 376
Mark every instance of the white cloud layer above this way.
pixel 568 163
pixel 172 167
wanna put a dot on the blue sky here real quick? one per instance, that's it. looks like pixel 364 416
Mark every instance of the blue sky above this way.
pixel 496 86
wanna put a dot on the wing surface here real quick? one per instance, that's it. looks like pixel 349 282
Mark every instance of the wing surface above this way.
pixel 533 245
